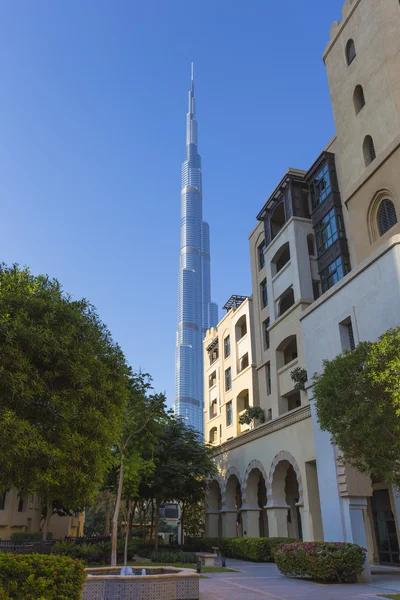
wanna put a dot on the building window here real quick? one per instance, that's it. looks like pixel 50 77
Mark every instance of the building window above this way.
pixel 229 414
pixel 369 150
pixel 20 504
pixel 347 335
pixel 171 511
pixel 228 379
pixel 212 379
pixel 213 409
pixel 264 293
pixel 334 272
pixel 328 230
pixel 3 501
pixel 286 301
pixel 315 287
pixel 320 187
pixel 387 217
pixel 350 51
pixel 227 346
pixel 358 99
pixel 244 362
pixel 269 414
pixel 266 334
pixel 310 244
pixel 213 435
pixel 241 328
pixel 261 255
pixel 213 354
pixel 268 376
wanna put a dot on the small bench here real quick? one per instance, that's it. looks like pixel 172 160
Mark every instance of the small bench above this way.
pixel 207 559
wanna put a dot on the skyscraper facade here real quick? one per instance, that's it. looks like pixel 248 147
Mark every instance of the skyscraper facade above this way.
pixel 196 312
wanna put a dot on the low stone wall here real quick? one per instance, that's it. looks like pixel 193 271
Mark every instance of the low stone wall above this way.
pixel 177 584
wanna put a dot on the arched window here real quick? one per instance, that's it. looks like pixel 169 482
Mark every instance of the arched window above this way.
pixel 358 99
pixel 387 217
pixel 350 51
pixel 369 150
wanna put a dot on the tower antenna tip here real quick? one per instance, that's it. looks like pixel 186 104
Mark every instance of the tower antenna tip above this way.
pixel 192 76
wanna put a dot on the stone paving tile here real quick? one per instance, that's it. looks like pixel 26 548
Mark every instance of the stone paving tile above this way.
pixel 264 582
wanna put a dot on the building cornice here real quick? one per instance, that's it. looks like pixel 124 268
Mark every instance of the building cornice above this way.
pixel 294 416
pixel 382 250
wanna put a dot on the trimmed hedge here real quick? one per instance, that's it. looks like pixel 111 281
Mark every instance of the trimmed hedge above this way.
pixel 322 561
pixel 38 576
pixel 173 557
pixel 204 544
pixel 255 549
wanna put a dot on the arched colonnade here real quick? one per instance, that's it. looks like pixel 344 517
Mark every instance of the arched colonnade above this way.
pixel 257 503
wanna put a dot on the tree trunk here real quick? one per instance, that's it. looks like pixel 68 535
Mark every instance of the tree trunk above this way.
pixel 49 510
pixel 128 518
pixel 116 515
pixel 182 522
pixel 152 519
pixel 108 517
pixel 130 525
pixel 156 520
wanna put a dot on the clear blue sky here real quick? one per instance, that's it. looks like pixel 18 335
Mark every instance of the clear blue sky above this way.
pixel 93 97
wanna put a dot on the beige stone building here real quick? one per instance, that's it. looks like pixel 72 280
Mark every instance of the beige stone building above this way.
pixel 229 370
pixel 325 262
pixel 23 514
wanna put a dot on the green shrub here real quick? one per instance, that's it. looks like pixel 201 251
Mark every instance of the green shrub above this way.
pixel 33 536
pixel 104 549
pixel 173 557
pixel 39 577
pixel 322 561
pixel 67 548
pixel 203 544
pixel 255 549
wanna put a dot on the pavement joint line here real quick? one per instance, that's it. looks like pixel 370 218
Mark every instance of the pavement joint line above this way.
pixel 260 592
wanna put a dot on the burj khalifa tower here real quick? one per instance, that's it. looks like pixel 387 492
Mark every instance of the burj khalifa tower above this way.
pixel 196 312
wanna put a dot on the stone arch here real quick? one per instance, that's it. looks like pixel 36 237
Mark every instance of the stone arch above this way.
pixel 231 471
pixel 372 215
pixel 276 494
pixel 214 495
pixel 254 464
pixel 249 496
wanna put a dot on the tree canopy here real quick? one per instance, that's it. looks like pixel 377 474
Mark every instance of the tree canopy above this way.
pixel 63 387
pixel 358 401
pixel 182 466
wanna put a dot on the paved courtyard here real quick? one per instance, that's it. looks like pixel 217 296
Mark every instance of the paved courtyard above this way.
pixel 257 581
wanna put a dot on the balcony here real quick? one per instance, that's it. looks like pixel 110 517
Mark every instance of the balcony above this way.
pixel 286 384
pixel 242 428
pixel 282 280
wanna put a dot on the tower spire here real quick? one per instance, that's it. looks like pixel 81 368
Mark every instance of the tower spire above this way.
pixel 191 124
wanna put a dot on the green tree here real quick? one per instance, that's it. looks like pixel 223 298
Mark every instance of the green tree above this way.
pixel 195 523
pixel 358 401
pixel 182 466
pixel 63 386
pixel 142 419
pixel 251 415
